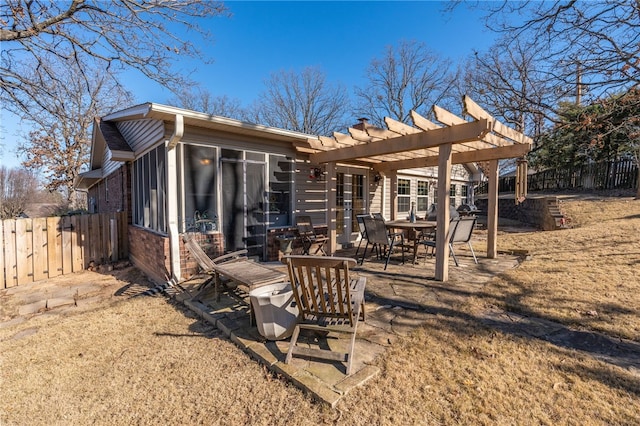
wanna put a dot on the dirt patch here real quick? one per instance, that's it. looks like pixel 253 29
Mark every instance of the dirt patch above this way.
pixel 70 294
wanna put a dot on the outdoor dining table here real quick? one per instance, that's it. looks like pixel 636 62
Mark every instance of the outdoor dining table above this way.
pixel 420 227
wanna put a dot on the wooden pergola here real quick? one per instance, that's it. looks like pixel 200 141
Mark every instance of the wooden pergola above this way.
pixel 483 141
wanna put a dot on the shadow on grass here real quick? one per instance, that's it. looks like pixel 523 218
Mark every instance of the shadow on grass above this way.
pixel 526 323
pixel 414 289
pixel 624 354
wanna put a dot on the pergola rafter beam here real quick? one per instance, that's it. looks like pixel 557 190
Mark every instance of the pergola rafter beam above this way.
pixel 499 153
pixel 477 112
pixel 449 118
pixel 427 125
pixel 376 132
pixel 457 134
pixel 345 139
pixel 400 127
pixel 362 135
pixel 328 142
pixel 422 122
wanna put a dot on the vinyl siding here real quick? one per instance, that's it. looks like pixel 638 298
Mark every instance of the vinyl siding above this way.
pixel 142 134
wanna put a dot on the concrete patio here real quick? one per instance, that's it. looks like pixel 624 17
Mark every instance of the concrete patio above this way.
pixel 398 301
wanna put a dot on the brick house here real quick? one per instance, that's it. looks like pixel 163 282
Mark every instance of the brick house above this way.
pixel 238 185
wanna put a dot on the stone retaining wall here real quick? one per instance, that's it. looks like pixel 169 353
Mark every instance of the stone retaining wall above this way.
pixel 533 211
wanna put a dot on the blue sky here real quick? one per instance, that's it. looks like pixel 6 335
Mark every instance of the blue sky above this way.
pixel 341 38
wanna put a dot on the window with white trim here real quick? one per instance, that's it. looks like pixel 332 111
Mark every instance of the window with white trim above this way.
pixel 404 195
pixel 452 194
pixel 423 195
pixel 465 194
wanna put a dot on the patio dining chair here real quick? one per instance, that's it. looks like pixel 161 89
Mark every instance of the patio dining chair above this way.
pixel 329 299
pixel 460 231
pixel 380 217
pixel 308 237
pixel 377 234
pixel 362 229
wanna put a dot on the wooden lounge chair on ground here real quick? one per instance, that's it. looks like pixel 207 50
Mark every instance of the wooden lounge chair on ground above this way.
pixel 329 299
pixel 208 265
pixel 308 236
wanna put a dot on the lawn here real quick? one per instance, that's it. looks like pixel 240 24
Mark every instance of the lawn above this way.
pixel 150 361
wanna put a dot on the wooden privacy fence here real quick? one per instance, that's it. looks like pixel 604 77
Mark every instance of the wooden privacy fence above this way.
pixel 41 248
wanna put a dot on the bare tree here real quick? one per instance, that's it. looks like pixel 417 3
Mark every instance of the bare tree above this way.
pixel 504 80
pixel 585 50
pixel 302 102
pixel 408 77
pixel 579 51
pixel 596 41
pixel 59 145
pixel 138 34
pixel 203 100
pixel 17 188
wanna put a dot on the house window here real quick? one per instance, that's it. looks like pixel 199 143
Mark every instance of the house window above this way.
pixel 280 184
pixel 452 194
pixel 423 195
pixel 199 193
pixel 404 195
pixel 149 187
pixel 465 194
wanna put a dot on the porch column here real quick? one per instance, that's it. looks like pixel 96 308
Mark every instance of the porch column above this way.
pixel 393 199
pixel 330 187
pixel 442 213
pixel 172 198
pixel 492 213
pixel 172 213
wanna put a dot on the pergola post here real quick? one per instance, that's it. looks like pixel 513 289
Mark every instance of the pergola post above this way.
pixel 393 199
pixel 330 187
pixel 492 213
pixel 442 214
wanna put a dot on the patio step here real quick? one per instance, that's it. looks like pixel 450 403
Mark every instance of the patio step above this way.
pixel 560 220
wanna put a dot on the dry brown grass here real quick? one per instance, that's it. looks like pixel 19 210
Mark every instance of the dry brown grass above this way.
pixel 147 361
pixel 585 277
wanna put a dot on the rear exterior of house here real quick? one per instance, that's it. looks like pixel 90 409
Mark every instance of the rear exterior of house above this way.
pixel 232 184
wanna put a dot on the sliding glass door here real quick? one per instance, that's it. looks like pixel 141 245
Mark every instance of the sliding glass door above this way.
pixel 243 201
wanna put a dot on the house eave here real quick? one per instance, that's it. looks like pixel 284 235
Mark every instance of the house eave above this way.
pixel 123 156
pixel 198 119
pixel 86 180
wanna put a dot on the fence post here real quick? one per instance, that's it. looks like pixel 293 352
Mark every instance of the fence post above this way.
pixel 113 232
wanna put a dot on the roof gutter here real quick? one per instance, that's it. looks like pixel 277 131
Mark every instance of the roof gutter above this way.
pixel 172 196
pixel 178 132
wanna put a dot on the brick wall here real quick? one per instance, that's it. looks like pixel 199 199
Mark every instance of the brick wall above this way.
pixel 149 252
pixel 112 194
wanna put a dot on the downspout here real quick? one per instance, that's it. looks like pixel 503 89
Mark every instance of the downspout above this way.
pixel 172 197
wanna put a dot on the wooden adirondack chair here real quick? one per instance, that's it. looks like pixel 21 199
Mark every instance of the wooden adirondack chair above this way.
pixel 328 299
